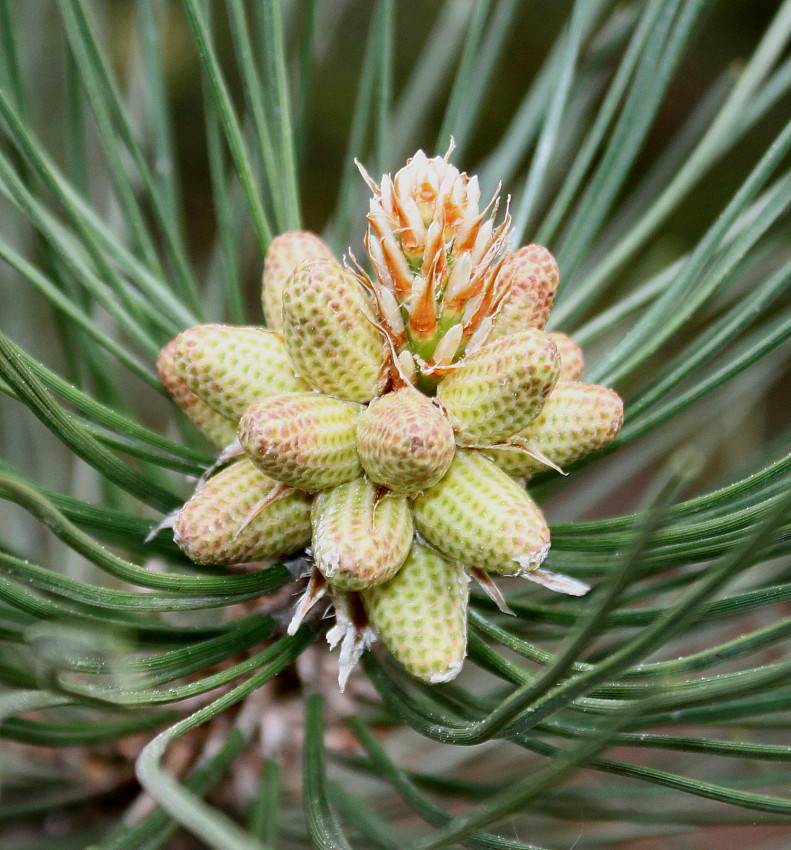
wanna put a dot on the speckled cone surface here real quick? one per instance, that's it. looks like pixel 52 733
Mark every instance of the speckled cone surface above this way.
pixel 404 441
pixel 534 279
pixel 499 389
pixel 361 535
pixel 285 253
pixel 479 516
pixel 210 528
pixel 305 440
pixel 571 358
pixel 576 420
pixel 216 428
pixel 230 368
pixel 329 334
pixel 421 615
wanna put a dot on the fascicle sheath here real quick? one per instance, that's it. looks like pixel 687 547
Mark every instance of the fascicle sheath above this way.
pixel 361 534
pixel 404 441
pixel 305 440
pixel 231 367
pixel 330 334
pixel 478 515
pixel 216 428
pixel 572 361
pixel 225 523
pixel 576 420
pixel 285 253
pixel 500 388
pixel 421 615
pixel 534 277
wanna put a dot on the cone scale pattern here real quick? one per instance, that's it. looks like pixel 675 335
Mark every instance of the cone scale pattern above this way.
pixel 479 516
pixel 329 336
pixel 226 523
pixel 405 442
pixel 389 422
pixel 360 535
pixel 421 615
pixel 286 252
pixel 305 440
pixel 214 426
pixel 500 389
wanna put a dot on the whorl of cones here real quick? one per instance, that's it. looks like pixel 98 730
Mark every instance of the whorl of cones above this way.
pixel 389 421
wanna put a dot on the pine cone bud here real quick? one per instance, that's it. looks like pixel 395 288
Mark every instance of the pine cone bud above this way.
pixel 329 333
pixel 532 276
pixel 285 253
pixel 405 442
pixel 479 516
pixel 220 524
pixel 499 389
pixel 361 536
pixel 421 615
pixel 571 358
pixel 305 440
pixel 576 420
pixel 435 251
pixel 230 368
pixel 216 428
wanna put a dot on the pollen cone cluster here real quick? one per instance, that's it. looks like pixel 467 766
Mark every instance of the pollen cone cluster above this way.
pixel 390 421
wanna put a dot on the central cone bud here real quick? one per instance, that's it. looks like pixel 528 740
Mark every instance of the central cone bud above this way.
pixel 437 255
pixel 404 442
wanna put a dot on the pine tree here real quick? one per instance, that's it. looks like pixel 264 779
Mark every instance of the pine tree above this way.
pixel 161 692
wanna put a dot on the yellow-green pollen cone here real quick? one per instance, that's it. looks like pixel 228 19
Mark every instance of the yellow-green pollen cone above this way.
pixel 230 520
pixel 214 426
pixel 388 420
pixel 405 442
pixel 285 253
pixel 361 535
pixel 304 440
pixel 421 614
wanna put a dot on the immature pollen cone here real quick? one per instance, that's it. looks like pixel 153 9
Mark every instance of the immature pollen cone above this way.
pixel 390 421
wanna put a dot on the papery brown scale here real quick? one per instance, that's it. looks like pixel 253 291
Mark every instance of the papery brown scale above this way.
pixel 411 243
pixel 490 301
pixel 434 246
pixel 423 315
pixel 397 266
pixel 451 213
pixel 427 195
pixel 465 241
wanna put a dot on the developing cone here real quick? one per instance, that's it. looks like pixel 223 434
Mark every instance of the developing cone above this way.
pixel 576 420
pixel 533 275
pixel 499 389
pixel 404 441
pixel 479 516
pixel 285 253
pixel 223 522
pixel 329 333
pixel 421 615
pixel 571 358
pixel 305 440
pixel 361 536
pixel 216 428
pixel 230 368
